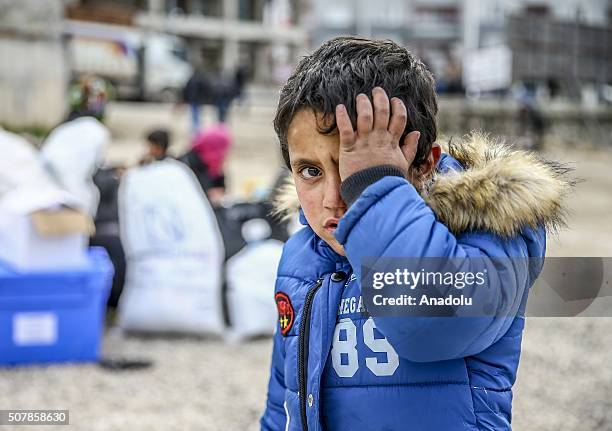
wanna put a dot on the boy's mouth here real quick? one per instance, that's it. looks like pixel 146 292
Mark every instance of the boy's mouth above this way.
pixel 331 224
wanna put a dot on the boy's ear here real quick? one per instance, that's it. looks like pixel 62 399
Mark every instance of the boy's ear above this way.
pixel 436 152
pixel 431 162
pixel 409 149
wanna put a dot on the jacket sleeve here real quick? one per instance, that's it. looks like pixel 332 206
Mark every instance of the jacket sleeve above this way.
pixel 390 219
pixel 274 417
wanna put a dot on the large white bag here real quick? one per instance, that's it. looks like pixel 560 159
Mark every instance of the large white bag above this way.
pixel 251 275
pixel 73 152
pixel 174 252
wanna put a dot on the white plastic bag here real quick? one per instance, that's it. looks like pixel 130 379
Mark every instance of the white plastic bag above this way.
pixel 251 275
pixel 22 173
pixel 174 252
pixel 72 153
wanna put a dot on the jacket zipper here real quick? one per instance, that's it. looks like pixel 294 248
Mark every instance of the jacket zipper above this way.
pixel 303 350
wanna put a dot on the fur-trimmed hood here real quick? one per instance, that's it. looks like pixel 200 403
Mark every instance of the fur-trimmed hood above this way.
pixel 500 189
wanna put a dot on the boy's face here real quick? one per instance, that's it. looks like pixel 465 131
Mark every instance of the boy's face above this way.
pixel 314 165
pixel 156 152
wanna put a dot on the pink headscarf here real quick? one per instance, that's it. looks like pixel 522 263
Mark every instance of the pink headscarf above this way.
pixel 212 145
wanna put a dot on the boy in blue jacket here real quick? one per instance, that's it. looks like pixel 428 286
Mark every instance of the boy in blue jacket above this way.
pixel 357 127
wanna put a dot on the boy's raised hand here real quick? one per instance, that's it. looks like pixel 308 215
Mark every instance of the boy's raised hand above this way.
pixel 377 138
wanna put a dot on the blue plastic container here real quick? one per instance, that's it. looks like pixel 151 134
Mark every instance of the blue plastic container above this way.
pixel 54 316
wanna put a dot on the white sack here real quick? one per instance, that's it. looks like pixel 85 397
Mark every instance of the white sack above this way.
pixel 174 252
pixel 73 152
pixel 251 275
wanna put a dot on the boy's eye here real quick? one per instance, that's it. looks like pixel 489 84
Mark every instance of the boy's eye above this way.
pixel 309 172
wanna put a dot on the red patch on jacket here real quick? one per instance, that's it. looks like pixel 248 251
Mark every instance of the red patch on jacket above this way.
pixel 286 314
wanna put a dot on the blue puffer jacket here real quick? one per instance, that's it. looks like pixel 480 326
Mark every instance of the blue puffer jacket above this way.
pixel 335 367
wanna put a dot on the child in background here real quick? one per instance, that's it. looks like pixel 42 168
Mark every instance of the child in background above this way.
pixel 158 142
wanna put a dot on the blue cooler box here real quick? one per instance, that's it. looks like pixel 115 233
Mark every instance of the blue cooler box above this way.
pixel 54 316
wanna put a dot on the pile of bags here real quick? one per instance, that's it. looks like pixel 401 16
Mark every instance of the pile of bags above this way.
pixel 191 269
pixel 178 279
pixel 42 225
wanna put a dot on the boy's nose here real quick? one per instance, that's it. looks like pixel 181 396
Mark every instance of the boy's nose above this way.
pixel 332 199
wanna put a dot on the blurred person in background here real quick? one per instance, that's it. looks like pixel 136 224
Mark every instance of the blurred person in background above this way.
pixel 530 119
pixel 158 142
pixel 88 96
pixel 195 94
pixel 226 88
pixel 240 77
pixel 450 80
pixel 206 157
pixel 107 180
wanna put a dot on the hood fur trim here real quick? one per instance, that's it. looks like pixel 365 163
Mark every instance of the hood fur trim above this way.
pixel 501 190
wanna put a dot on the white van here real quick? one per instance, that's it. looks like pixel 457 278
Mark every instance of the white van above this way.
pixel 143 64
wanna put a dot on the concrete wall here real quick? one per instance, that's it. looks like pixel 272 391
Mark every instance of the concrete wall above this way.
pixel 565 123
pixel 33 76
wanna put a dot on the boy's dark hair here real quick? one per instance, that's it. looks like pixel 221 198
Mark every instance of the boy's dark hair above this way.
pixel 160 138
pixel 342 68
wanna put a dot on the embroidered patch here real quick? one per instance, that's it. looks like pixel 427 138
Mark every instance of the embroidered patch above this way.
pixel 286 314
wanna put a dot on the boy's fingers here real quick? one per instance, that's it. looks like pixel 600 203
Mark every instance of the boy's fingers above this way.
pixel 410 146
pixel 381 108
pixel 365 114
pixel 399 116
pixel 345 128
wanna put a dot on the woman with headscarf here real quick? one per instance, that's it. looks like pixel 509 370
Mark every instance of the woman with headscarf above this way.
pixel 206 157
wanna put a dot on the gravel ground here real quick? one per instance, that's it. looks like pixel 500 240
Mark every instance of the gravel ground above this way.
pixel 564 381
pixel 193 384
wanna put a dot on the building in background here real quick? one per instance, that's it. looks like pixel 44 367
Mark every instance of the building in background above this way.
pixel 484 22
pixel 385 19
pixel 431 28
pixel 147 48
pixel 485 45
pixel 261 36
pixel 555 47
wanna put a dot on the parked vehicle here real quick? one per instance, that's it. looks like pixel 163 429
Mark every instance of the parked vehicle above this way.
pixel 138 64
